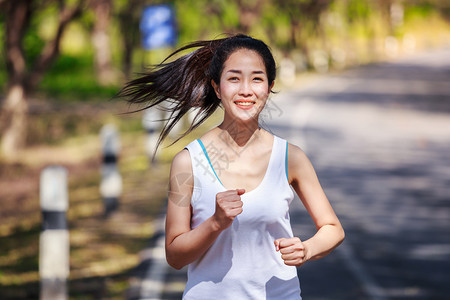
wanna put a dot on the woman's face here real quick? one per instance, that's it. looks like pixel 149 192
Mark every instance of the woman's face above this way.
pixel 244 87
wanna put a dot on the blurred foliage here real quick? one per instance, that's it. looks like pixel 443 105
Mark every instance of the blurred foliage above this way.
pixel 419 11
pixel 73 78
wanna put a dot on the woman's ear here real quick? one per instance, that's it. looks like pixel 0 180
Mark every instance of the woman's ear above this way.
pixel 271 86
pixel 216 88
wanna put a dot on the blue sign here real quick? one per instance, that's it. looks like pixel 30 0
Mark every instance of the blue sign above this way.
pixel 158 27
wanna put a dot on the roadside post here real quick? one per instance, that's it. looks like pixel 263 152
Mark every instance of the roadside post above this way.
pixel 54 242
pixel 111 182
pixel 151 123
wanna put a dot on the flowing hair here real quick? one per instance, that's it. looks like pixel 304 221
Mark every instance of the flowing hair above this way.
pixel 185 83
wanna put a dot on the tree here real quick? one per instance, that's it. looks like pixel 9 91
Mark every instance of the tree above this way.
pixel 129 18
pixel 106 74
pixel 302 12
pixel 24 76
pixel 249 13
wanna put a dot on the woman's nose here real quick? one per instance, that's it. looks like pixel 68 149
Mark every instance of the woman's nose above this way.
pixel 245 89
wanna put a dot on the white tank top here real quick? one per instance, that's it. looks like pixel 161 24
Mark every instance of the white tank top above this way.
pixel 242 263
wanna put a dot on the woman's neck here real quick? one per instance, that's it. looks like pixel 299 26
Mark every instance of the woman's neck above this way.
pixel 239 134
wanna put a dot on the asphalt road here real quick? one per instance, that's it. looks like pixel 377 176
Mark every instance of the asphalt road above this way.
pixel 379 138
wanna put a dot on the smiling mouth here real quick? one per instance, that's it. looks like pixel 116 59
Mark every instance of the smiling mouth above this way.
pixel 246 104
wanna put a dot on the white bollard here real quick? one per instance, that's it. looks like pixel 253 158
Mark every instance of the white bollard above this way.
pixel 151 123
pixel 391 46
pixel 320 61
pixel 111 182
pixel 167 108
pixel 54 240
pixel 287 71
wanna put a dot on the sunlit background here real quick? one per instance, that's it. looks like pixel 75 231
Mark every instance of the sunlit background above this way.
pixel 62 63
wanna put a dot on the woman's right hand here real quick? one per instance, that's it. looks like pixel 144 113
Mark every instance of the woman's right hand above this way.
pixel 228 206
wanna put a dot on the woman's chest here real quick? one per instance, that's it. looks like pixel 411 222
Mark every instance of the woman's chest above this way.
pixel 243 175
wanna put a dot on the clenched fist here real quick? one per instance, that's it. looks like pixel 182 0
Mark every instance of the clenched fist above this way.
pixel 228 206
pixel 292 251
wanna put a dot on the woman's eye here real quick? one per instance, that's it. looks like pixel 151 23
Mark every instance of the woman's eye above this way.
pixel 258 79
pixel 233 78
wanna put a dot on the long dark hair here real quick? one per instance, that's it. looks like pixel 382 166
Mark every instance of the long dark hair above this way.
pixel 185 83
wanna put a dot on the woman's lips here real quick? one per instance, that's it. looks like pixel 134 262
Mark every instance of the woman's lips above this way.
pixel 244 104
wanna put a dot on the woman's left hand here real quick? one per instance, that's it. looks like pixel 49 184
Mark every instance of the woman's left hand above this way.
pixel 292 250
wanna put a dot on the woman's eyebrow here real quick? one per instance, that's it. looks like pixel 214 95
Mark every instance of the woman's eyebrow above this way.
pixel 240 72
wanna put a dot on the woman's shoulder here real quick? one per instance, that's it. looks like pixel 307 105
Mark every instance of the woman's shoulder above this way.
pixel 183 157
pixel 292 148
pixel 295 149
pixel 299 165
pixel 296 155
pixel 182 160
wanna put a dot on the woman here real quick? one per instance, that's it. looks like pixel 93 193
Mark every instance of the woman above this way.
pixel 229 193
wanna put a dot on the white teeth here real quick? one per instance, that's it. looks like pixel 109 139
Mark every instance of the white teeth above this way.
pixel 244 103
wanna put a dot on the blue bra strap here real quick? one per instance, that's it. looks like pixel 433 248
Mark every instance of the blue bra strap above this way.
pixel 286 162
pixel 207 157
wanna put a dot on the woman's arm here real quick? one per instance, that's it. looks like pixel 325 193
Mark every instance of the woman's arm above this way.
pixel 183 244
pixel 329 233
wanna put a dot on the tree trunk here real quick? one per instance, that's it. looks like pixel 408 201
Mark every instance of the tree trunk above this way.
pixel 101 41
pixel 15 107
pixel 22 80
pixel 293 32
pixel 129 21
pixel 14 115
pixel 249 13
